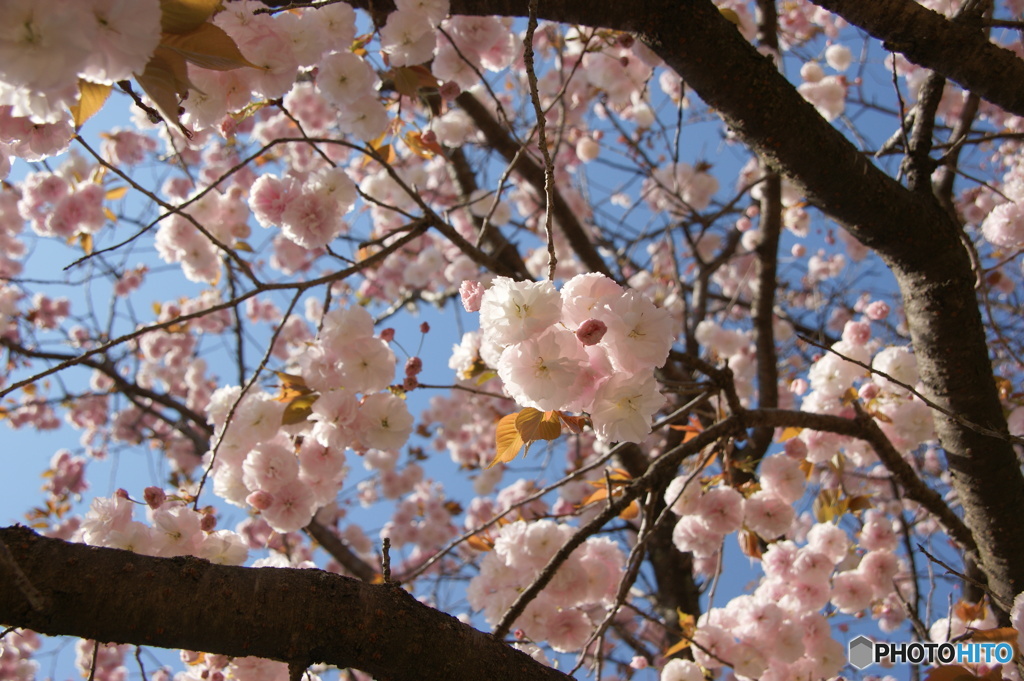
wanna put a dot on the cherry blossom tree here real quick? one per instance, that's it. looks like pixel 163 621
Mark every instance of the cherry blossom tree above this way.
pixel 728 360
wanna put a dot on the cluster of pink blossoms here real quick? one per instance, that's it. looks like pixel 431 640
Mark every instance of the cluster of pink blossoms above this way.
pixel 575 600
pixel 174 529
pixel 258 462
pixel 592 348
pixel 778 631
pixel 706 517
pixel 309 213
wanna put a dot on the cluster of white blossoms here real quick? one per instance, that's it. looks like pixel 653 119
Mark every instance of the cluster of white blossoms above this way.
pixel 592 347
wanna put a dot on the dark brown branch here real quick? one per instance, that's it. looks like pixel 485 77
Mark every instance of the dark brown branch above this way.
pixel 499 140
pixel 959 50
pixel 296 616
pixel 503 252
pixel 332 544
pixel 766 252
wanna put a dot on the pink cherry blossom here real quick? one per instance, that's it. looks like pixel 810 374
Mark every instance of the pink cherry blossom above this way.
pixel 624 407
pixel 512 312
pixel 721 510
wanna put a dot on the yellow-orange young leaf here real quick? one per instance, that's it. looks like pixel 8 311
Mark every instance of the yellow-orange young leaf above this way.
pixel 730 16
pixel 790 433
pixel 631 511
pixel 209 47
pixel 858 503
pixel 479 543
pixel 116 193
pixel 691 430
pixel 679 647
pixel 91 98
pixel 414 140
pixel 596 495
pixel 291 386
pixel 749 544
pixel 998 635
pixel 1005 387
pixel 534 424
pixel 884 418
pixel 507 440
pixel 384 152
pixel 299 409
pixel 165 80
pixel 182 16
pixel 409 80
pixel 825 506
pixel 573 423
pixel 967 611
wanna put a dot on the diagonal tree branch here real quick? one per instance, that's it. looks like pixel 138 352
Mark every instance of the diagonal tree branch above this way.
pixel 500 141
pixel 295 616
pixel 959 50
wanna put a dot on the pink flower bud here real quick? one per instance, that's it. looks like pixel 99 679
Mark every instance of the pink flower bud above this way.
pixel 877 311
pixel 260 500
pixel 472 292
pixel 424 328
pixel 796 448
pixel 154 497
pixel 857 333
pixel 208 522
pixel 591 331
pixel 450 90
pixel 387 335
pixel 413 366
pixel 868 391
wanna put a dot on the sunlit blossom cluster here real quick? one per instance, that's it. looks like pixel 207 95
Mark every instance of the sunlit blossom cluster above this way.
pixel 345 373
pixel 283 449
pixel 778 631
pixel 591 347
pixel 172 529
pixel 571 604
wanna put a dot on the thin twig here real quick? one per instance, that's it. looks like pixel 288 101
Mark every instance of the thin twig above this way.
pixel 542 140
pixel 1006 437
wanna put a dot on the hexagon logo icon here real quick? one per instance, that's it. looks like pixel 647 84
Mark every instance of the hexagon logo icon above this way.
pixel 861 651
